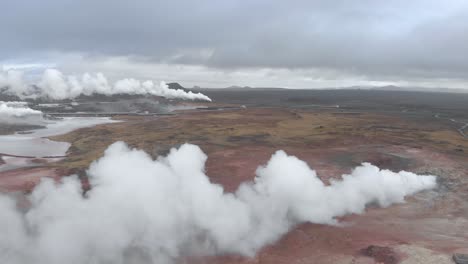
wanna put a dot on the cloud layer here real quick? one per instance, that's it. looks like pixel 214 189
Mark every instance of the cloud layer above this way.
pixel 424 38
pixel 55 85
pixel 141 210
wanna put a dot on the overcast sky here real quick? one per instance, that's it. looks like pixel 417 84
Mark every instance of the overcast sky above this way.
pixel 302 43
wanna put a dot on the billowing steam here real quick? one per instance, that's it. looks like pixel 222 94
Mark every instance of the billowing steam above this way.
pixel 55 85
pixel 141 210
pixel 18 113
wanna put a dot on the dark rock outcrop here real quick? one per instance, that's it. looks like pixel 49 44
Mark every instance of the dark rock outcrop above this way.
pixel 460 258
pixel 381 254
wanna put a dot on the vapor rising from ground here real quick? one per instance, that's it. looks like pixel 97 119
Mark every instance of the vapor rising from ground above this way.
pixel 141 210
pixel 19 113
pixel 55 85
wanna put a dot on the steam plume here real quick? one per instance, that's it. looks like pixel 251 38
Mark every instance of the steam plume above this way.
pixel 18 112
pixel 141 210
pixel 55 85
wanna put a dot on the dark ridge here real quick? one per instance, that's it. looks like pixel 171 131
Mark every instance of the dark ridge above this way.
pixel 235 87
pixel 4 96
pixel 177 86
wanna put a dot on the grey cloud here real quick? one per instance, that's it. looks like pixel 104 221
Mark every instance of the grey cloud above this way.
pixel 372 38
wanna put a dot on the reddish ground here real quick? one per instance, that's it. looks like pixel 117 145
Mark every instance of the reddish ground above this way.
pixel 25 179
pixel 428 228
pixel 436 220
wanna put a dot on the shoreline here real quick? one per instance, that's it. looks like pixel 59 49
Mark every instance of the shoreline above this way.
pixel 17 154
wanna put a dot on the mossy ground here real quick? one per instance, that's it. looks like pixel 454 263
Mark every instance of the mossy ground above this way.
pixel 272 127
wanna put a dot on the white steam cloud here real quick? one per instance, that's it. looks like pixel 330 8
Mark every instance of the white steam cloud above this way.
pixel 55 85
pixel 19 113
pixel 141 210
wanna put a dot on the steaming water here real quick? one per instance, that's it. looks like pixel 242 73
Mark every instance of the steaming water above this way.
pixel 35 144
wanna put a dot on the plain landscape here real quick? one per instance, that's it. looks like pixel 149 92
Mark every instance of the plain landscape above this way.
pixel 222 132
pixel 333 131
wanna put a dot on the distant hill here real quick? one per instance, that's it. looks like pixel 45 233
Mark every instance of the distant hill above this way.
pixel 375 88
pixel 409 89
pixel 238 87
pixel 177 86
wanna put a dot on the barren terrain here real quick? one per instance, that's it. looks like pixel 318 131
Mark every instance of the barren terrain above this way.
pixel 428 228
